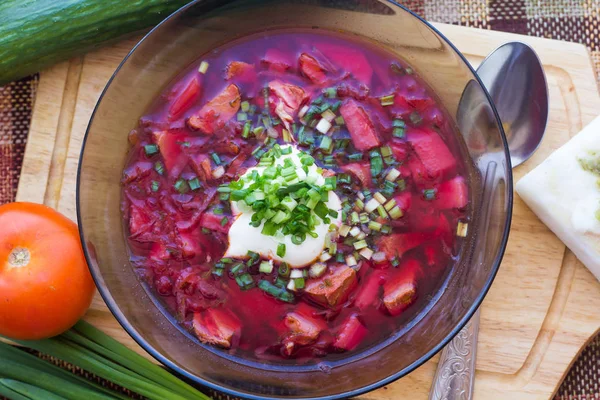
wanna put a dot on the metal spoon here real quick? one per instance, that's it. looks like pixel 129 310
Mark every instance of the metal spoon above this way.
pixel 514 77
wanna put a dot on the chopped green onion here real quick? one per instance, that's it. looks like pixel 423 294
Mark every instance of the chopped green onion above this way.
pixel 390 204
pixel 382 212
pixel 203 67
pixel 330 92
pixel 284 270
pixel 325 256
pixel 355 231
pixel 392 175
pixel 351 261
pixel 387 100
pixel 376 163
pixel 361 244
pixel 401 184
pixel 218 172
pixel 462 229
pixel 323 126
pixel 429 194
pixel 245 281
pixel 396 212
pixel 246 130
pixel 340 120
pixel 317 270
pixel 194 184
pixel 265 267
pixel 380 198
pixel 181 186
pixel 398 123
pixel 364 218
pixel 328 115
pixel 281 250
pixel 299 283
pixel 371 205
pixel 216 158
pixel 336 106
pixel 159 167
pixel 296 273
pixel 275 291
pixel 366 253
pixel 303 111
pixel 344 230
pixel 245 106
pixel 224 221
pixel 326 144
pixel 398 132
pixel 150 149
pixel 291 285
pixel 375 226
pixel 155 185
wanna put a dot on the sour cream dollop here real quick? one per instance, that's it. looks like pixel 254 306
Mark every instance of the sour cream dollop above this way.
pixel 243 237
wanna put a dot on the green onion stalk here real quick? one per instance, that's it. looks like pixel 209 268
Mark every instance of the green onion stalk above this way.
pixel 24 376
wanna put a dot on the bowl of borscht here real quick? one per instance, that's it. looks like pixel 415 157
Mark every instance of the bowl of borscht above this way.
pixel 294 199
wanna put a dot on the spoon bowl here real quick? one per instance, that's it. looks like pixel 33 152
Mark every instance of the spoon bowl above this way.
pixel 515 79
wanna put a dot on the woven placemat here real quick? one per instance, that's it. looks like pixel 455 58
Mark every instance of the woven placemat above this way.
pixel 572 20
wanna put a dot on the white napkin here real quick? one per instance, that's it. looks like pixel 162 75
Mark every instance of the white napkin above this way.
pixel 566 197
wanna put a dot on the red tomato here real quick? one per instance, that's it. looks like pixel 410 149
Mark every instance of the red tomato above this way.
pixel 45 284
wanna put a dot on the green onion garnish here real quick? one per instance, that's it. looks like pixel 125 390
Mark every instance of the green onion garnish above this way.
pixel 216 158
pixel 398 132
pixel 154 186
pixel 326 144
pixel 396 212
pixel 245 106
pixel 150 149
pixel 203 67
pixel 330 92
pixel 265 267
pixel 284 270
pixel 281 249
pixel 416 118
pixel 387 100
pixel 276 291
pixel 429 194
pixel 376 163
pixel 181 186
pixel 245 281
pixel 224 221
pixel 194 184
pixel 336 106
pixel 246 130
pixel 159 167
pixel 299 283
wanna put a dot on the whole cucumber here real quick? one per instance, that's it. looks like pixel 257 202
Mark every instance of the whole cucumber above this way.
pixel 35 34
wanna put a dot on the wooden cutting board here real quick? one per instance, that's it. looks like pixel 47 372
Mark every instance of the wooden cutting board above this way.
pixel 543 306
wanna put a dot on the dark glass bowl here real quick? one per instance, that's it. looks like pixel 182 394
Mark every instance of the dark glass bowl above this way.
pixel 204 25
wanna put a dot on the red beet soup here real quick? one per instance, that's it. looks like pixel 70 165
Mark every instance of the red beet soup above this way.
pixel 295 196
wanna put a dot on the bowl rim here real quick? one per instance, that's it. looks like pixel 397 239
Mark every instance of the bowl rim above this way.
pixel 122 320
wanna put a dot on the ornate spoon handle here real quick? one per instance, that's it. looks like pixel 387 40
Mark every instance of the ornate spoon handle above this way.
pixel 456 370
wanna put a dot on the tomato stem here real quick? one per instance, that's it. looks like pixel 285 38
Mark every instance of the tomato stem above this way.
pixel 19 257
